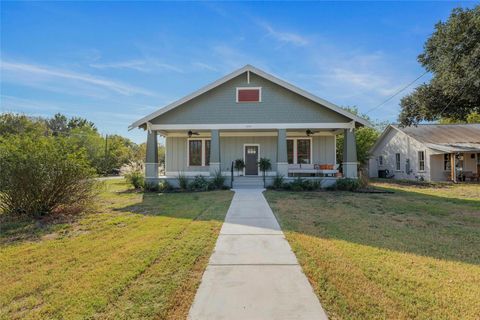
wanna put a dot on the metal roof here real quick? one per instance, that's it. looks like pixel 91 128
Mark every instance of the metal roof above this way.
pixel 446 137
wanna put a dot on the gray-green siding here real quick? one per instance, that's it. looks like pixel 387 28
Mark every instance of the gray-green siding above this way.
pixel 278 105
pixel 231 148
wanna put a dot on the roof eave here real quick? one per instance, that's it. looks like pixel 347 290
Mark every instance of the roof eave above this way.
pixel 263 74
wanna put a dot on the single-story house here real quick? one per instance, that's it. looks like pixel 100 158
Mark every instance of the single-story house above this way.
pixel 430 152
pixel 250 114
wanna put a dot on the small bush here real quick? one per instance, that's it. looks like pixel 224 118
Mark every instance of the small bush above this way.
pixel 164 186
pixel 297 184
pixel 136 179
pixel 278 182
pixel 218 180
pixel 199 183
pixel 182 181
pixel 41 176
pixel 151 186
pixel 347 184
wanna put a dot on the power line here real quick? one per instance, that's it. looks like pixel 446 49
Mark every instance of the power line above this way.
pixel 396 93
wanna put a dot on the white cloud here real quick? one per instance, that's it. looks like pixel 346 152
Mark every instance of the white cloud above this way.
pixel 285 37
pixel 204 66
pixel 147 65
pixel 21 71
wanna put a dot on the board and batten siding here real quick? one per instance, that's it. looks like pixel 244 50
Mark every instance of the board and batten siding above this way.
pixel 278 105
pixel 231 148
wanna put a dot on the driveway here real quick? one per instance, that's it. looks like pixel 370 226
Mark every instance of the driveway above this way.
pixel 253 273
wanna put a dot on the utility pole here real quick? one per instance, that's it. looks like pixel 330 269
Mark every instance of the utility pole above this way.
pixel 106 153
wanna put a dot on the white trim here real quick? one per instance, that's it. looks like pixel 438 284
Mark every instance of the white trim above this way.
pixel 234 126
pixel 258 157
pixel 203 151
pixel 249 88
pixel 295 151
pixel 263 74
pixel 187 173
pixel 249 133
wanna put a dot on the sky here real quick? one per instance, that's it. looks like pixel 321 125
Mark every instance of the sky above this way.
pixel 115 62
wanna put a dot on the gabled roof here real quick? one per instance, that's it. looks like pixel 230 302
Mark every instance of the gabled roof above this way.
pixel 263 74
pixel 441 137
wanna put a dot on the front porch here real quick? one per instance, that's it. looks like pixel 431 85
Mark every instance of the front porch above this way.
pixel 292 152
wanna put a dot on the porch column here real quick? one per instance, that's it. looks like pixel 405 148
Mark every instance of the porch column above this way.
pixel 282 160
pixel 349 154
pixel 214 152
pixel 151 161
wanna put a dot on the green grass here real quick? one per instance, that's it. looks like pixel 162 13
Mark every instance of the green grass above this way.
pixel 134 256
pixel 411 254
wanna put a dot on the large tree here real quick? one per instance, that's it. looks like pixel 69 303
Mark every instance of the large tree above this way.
pixel 452 55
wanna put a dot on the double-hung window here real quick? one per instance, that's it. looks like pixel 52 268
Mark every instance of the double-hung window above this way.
pixel 380 160
pixel 299 150
pixel 198 152
pixel 421 160
pixel 397 162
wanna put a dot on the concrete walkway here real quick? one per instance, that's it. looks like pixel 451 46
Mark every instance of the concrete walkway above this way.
pixel 253 273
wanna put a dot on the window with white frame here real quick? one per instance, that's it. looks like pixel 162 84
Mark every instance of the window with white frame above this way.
pixel 249 94
pixel 397 162
pixel 299 150
pixel 198 152
pixel 380 160
pixel 421 160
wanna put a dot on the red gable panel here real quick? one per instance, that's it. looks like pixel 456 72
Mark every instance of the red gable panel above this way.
pixel 248 95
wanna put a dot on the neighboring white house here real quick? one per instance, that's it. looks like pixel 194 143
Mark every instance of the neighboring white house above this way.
pixel 430 152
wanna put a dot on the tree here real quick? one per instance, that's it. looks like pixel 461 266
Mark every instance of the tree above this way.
pixel 452 55
pixel 15 124
pixel 365 137
pixel 40 175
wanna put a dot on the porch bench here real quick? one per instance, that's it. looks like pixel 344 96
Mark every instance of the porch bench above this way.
pixel 310 169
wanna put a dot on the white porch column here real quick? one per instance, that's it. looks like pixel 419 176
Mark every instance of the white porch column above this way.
pixel 151 161
pixel 282 160
pixel 214 152
pixel 349 154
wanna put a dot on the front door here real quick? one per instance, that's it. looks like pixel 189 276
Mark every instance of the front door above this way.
pixel 251 160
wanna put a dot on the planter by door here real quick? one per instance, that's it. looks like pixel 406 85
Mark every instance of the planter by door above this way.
pixel 251 160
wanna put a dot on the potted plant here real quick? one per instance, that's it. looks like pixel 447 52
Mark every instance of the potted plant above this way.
pixel 264 165
pixel 239 165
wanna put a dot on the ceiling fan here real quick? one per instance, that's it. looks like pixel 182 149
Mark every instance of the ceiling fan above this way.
pixel 191 133
pixel 310 132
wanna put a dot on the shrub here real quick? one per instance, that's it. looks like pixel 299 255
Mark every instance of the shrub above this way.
pixel 151 186
pixel 297 184
pixel 218 180
pixel 136 179
pixel 264 165
pixel 182 181
pixel 40 176
pixel 199 183
pixel 347 184
pixel 239 165
pixel 164 186
pixel 278 182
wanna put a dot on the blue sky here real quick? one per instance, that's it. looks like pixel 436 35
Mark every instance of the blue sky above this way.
pixel 114 62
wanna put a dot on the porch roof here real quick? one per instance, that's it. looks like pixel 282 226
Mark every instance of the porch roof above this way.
pixel 457 147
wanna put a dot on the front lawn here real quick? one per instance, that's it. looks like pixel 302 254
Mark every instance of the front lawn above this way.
pixel 411 254
pixel 135 256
